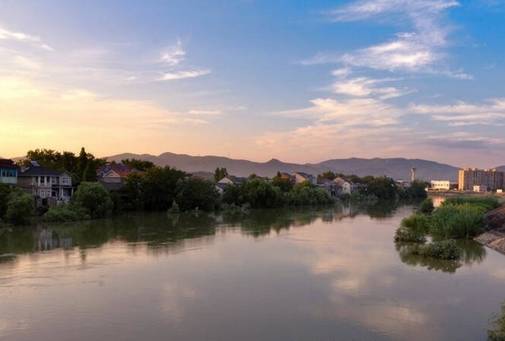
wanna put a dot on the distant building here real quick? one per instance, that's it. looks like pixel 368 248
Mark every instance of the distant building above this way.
pixel 300 177
pixel 113 175
pixel 48 186
pixel 8 172
pixel 440 185
pixel 114 172
pixel 344 186
pixel 229 180
pixel 486 179
pixel 336 187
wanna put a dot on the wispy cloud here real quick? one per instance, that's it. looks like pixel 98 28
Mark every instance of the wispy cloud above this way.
pixel 173 55
pixel 417 50
pixel 185 74
pixel 205 112
pixel 6 34
pixel 365 86
pixel 491 112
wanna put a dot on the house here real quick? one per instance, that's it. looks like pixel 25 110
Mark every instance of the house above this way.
pixel 300 177
pixel 48 186
pixel 114 173
pixel 344 186
pixel 112 176
pixel 229 180
pixel 8 172
pixel 337 187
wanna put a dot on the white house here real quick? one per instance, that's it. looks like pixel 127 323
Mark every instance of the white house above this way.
pixel 46 185
pixel 440 185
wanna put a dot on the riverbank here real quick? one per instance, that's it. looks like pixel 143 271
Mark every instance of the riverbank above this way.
pixel 494 237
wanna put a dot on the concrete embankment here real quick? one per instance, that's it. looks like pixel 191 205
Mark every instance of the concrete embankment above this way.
pixel 494 237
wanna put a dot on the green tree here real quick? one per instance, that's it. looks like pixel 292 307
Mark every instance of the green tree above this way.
pixel 194 193
pixel 159 187
pixel 382 187
pixel 284 183
pixel 94 198
pixel 19 207
pixel 220 173
pixel 416 190
pixel 5 190
pixel 261 194
pixel 141 165
pixel 328 175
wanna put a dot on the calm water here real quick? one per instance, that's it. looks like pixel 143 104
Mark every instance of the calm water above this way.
pixel 333 274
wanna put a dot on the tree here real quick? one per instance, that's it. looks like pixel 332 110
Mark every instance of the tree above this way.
pixel 261 194
pixel 417 190
pixel 220 173
pixel 94 198
pixel 130 195
pixel 381 187
pixel 198 193
pixel 82 168
pixel 5 190
pixel 285 184
pixel 19 207
pixel 141 165
pixel 328 175
pixel 159 187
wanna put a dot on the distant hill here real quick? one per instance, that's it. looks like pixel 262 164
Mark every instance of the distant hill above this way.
pixel 397 168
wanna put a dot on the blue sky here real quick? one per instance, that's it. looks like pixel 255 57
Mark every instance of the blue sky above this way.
pixel 295 80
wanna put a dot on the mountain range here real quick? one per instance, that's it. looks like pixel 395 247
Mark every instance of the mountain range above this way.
pixel 397 168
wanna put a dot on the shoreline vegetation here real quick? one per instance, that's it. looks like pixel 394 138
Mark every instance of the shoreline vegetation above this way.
pixel 156 188
pixel 436 232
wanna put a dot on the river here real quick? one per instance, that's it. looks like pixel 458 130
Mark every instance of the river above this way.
pixel 326 274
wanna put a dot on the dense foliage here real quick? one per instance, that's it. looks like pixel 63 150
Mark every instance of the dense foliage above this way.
pixel 457 221
pixel 443 249
pixel 427 206
pixel 82 167
pixel 93 198
pixel 19 207
pixel 140 165
pixel 196 193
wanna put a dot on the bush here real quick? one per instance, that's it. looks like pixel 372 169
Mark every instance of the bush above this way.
pixel 65 213
pixel 426 206
pixel 444 249
pixel 196 193
pixel 418 223
pixel 19 207
pixel 406 235
pixel 93 198
pixel 457 221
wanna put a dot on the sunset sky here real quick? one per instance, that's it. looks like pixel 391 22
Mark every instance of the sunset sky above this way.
pixel 300 81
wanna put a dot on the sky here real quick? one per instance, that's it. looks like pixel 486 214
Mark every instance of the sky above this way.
pixel 299 81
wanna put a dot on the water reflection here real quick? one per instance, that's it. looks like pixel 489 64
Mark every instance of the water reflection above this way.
pixel 165 230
